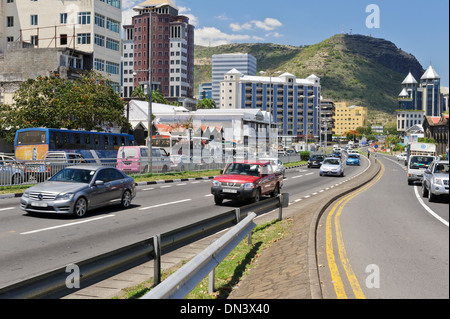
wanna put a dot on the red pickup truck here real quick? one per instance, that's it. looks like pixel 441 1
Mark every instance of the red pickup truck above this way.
pixel 247 181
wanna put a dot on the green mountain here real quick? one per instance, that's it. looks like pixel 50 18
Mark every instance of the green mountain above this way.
pixel 359 69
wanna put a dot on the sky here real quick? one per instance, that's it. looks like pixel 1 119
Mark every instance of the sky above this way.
pixel 417 27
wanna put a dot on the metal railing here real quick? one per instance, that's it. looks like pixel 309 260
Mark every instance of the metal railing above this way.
pixel 179 284
pixel 54 284
pixel 33 172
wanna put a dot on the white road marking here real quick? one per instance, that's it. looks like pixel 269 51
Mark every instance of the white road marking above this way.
pixel 67 225
pixel 428 209
pixel 8 208
pixel 165 204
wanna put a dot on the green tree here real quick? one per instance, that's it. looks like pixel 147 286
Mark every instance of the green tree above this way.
pixel 206 104
pixel 88 103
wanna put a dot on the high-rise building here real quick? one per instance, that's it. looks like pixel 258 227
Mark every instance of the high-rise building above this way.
pixel 222 63
pixel 87 26
pixel 292 102
pixel 171 44
pixel 420 99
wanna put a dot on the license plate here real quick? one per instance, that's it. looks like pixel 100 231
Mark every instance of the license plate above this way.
pixel 38 204
pixel 232 191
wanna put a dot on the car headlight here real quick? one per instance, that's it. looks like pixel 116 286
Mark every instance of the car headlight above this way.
pixel 216 183
pixel 25 195
pixel 249 185
pixel 438 181
pixel 67 196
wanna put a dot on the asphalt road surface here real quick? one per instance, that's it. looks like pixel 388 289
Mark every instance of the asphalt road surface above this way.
pixel 31 245
pixel 385 241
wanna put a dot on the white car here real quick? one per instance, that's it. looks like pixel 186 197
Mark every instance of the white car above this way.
pixel 401 157
pixel 277 164
pixel 332 166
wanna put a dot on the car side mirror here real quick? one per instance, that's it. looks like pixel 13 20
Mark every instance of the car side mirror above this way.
pixel 427 171
pixel 99 183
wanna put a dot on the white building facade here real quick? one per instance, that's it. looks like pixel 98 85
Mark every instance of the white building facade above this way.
pixel 91 26
pixel 293 103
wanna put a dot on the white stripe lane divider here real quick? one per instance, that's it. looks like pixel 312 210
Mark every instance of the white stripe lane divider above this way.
pixel 428 209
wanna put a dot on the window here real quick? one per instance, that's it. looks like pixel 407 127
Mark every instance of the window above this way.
pixel 63 18
pixel 99 20
pixel 99 65
pixel 34 40
pixel 9 22
pixel 84 18
pixel 34 19
pixel 63 39
pixel 112 44
pixel 84 38
pixel 112 68
pixel 99 40
pixel 113 25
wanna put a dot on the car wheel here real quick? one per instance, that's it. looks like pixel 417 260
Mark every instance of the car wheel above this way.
pixel 257 197
pixel 424 191
pixel 218 200
pixel 126 199
pixel 80 207
pixel 431 196
pixel 276 191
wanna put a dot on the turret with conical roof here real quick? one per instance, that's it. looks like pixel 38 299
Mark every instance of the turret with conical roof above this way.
pixel 430 74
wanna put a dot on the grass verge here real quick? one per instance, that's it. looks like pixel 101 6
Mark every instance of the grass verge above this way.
pixel 231 270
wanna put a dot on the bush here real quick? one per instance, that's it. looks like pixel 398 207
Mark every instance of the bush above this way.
pixel 304 156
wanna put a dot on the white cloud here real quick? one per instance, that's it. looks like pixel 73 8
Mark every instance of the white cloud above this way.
pixel 212 36
pixel 269 24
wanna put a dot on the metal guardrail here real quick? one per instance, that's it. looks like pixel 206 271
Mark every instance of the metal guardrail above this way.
pixel 179 284
pixel 53 284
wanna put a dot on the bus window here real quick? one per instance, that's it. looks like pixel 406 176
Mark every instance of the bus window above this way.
pixel 31 138
pixel 52 140
pixel 88 139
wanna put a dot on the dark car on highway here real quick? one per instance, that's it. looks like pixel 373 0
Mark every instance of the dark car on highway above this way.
pixel 316 160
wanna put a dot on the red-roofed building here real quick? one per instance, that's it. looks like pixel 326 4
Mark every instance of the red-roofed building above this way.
pixel 437 129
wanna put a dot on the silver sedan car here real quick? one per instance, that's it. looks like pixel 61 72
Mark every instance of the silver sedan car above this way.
pixel 332 166
pixel 77 189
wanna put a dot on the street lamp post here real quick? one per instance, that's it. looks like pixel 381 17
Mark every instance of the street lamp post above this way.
pixel 271 104
pixel 149 95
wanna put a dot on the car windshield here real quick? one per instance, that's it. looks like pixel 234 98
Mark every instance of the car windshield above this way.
pixel 441 168
pixel 331 161
pixel 353 156
pixel 421 161
pixel 317 157
pixel 71 175
pixel 243 169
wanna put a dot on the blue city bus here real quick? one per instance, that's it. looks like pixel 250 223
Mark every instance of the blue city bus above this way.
pixel 33 144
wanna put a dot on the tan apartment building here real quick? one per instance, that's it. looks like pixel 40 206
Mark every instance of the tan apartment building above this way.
pixel 349 117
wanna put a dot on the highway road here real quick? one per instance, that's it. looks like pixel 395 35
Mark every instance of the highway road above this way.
pixel 31 245
pixel 385 241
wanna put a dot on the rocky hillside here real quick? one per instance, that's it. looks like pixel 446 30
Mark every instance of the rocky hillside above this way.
pixel 359 69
